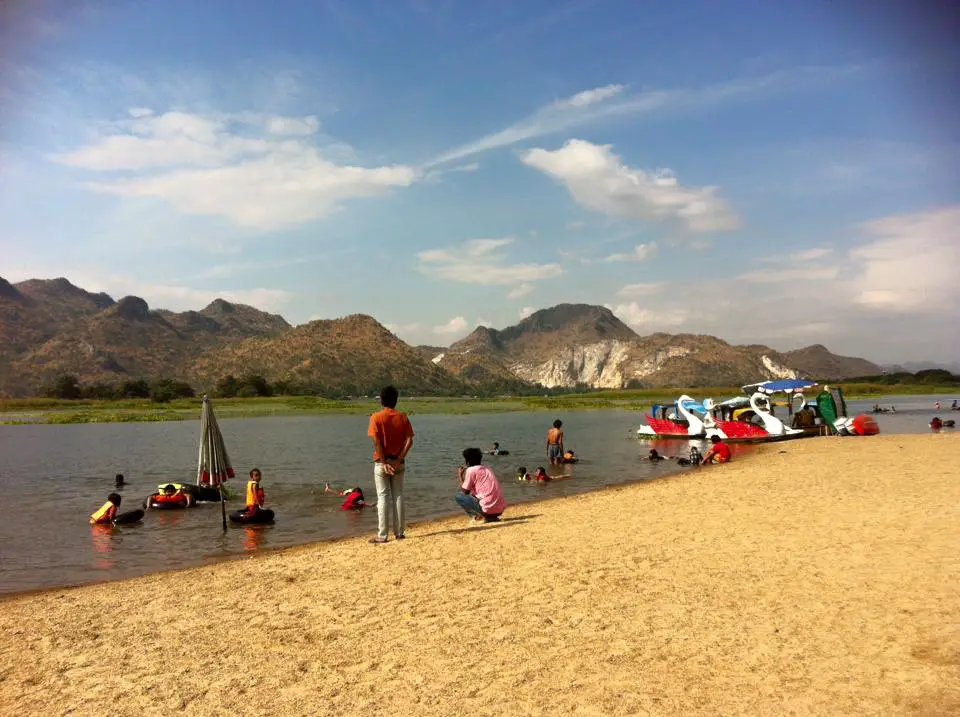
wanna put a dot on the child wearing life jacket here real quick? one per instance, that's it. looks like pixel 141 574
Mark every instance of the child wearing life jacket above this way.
pixel 108 511
pixel 522 473
pixel 354 500
pixel 541 475
pixel 255 496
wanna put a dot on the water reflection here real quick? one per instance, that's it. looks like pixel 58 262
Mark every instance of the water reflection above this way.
pixel 102 535
pixel 254 537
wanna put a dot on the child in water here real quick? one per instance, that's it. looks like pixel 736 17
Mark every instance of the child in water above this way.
pixel 541 475
pixel 354 500
pixel 108 511
pixel 255 495
pixel 522 473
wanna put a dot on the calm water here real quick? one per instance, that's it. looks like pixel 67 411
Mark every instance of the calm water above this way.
pixel 53 477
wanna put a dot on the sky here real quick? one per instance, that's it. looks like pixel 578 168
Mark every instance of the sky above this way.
pixel 778 173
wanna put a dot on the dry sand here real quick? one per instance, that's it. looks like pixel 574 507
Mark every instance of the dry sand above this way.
pixel 817 577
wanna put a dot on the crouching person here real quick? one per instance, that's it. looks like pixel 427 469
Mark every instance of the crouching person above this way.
pixel 480 493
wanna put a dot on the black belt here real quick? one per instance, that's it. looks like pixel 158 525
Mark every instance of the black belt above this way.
pixel 389 458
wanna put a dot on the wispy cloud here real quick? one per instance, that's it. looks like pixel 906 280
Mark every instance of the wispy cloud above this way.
pixel 597 179
pixel 256 171
pixel 609 101
pixel 518 292
pixel 910 263
pixel 478 261
pixel 641 252
pixel 633 291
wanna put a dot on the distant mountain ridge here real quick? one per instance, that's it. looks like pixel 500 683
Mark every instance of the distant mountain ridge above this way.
pixel 51 327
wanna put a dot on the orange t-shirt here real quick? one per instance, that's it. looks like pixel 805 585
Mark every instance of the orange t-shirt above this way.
pixel 394 429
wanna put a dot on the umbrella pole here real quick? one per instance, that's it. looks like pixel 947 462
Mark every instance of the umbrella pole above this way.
pixel 223 508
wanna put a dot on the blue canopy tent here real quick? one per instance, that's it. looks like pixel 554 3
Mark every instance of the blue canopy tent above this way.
pixel 784 385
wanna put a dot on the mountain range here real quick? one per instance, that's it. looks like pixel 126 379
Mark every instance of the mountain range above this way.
pixel 49 328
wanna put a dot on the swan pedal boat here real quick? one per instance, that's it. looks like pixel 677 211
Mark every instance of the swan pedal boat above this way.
pixel 769 429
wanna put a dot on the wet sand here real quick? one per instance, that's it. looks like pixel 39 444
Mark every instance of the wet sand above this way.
pixel 814 577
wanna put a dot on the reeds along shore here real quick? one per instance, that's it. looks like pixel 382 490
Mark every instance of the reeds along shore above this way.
pixel 816 577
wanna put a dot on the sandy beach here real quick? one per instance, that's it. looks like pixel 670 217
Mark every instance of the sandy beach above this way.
pixel 814 577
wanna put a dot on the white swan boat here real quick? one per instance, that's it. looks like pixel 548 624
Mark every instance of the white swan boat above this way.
pixel 750 419
pixel 676 420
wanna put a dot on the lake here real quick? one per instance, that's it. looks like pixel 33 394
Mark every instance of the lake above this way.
pixel 54 476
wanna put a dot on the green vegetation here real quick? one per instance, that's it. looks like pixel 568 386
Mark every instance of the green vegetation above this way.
pixel 128 410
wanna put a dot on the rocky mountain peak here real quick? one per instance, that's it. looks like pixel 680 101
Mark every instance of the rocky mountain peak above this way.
pixel 132 308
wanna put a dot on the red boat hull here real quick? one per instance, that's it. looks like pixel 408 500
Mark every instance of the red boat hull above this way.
pixel 665 427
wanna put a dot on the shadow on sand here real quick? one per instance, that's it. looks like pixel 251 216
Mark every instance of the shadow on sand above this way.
pixel 503 523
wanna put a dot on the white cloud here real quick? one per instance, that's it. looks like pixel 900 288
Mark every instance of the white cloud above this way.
pixel 454 326
pixel 600 103
pixel 911 265
pixel 641 252
pixel 245 168
pixel 482 322
pixel 634 291
pixel 140 111
pixel 591 97
pixel 526 311
pixel 478 261
pixel 597 179
pixel 777 275
pixel 811 254
pixel 420 333
pixel 293 125
pixel 518 292
pixel 649 320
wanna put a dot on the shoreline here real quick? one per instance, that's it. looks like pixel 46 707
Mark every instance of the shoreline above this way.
pixel 19 412
pixel 813 577
pixel 454 514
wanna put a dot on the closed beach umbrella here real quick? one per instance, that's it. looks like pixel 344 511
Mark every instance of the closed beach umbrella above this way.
pixel 213 466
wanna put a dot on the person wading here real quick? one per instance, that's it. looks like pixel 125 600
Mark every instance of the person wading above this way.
pixel 392 436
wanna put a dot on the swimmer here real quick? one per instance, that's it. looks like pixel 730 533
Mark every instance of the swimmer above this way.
pixel 541 475
pixel 570 457
pixel 497 451
pixel 255 495
pixel 654 456
pixel 693 460
pixel 327 488
pixel 118 480
pixel 522 473
pixel 108 511
pixel 354 500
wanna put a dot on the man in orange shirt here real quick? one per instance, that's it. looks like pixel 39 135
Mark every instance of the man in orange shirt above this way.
pixel 392 437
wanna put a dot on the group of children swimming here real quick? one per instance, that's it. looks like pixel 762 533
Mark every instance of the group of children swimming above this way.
pixel 178 495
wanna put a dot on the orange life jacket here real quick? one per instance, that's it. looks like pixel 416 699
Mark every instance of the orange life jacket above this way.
pixel 106 513
pixel 254 495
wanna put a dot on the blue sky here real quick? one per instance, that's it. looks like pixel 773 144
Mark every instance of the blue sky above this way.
pixel 782 173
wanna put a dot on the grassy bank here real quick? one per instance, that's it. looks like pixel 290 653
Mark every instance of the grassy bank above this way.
pixel 56 411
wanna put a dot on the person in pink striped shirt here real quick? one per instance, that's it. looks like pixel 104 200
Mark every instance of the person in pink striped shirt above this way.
pixel 481 495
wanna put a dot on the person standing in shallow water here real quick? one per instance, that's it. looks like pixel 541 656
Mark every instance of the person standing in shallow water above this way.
pixel 392 436
pixel 555 443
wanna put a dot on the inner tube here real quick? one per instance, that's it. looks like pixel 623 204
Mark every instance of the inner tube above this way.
pixel 199 493
pixel 159 501
pixel 264 515
pixel 131 516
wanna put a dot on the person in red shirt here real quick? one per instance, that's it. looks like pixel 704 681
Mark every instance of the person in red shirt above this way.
pixel 354 500
pixel 719 452
pixel 392 436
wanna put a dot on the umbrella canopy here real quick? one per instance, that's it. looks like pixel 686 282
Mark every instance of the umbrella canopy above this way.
pixel 213 466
